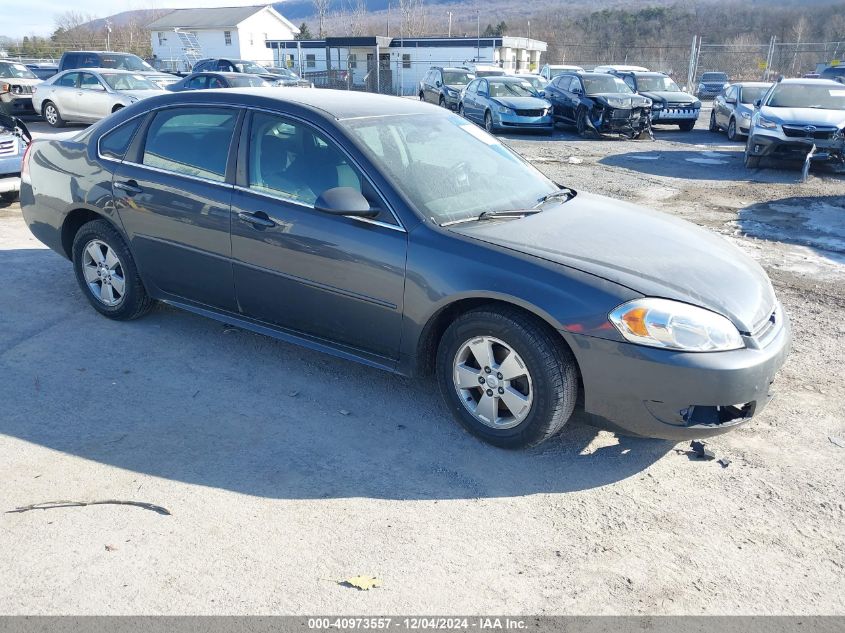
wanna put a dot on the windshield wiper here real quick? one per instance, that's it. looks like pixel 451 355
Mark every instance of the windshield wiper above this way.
pixel 490 215
pixel 563 192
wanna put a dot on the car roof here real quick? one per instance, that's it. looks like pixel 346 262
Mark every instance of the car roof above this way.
pixel 503 78
pixel 758 84
pixel 107 71
pixel 452 68
pixel 334 104
pixel 810 82
pixel 642 73
pixel 102 52
pixel 592 74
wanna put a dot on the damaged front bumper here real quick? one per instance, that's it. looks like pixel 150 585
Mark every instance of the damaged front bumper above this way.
pixel 791 148
pixel 627 121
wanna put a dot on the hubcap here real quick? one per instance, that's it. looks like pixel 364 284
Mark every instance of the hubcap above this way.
pixel 492 382
pixel 51 114
pixel 103 273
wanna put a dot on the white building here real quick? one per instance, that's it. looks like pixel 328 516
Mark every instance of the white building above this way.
pixel 227 32
pixel 403 61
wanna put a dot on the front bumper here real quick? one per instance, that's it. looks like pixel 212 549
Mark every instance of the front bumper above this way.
pixel 452 101
pixel 11 182
pixel 793 148
pixel 674 116
pixel 621 121
pixel 671 395
pixel 520 122
pixel 708 93
pixel 16 105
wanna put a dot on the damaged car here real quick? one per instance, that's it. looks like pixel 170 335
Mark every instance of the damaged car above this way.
pixel 16 83
pixel 14 141
pixel 599 103
pixel 798 119
pixel 669 104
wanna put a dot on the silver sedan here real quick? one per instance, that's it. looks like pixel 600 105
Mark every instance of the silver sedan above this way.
pixel 88 95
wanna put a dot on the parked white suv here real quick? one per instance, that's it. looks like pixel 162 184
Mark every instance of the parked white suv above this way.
pixel 798 119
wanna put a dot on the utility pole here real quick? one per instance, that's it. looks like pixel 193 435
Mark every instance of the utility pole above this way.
pixel 450 24
pixel 388 19
pixel 478 36
pixel 108 35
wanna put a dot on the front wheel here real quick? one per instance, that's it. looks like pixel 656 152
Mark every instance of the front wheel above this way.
pixel 713 127
pixel 106 272
pixel 751 161
pixel 732 134
pixel 461 110
pixel 9 196
pixel 581 122
pixel 506 377
pixel 488 122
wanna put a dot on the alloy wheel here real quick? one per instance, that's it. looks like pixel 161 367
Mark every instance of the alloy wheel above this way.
pixel 103 273
pixel 488 122
pixel 732 130
pixel 492 382
pixel 51 114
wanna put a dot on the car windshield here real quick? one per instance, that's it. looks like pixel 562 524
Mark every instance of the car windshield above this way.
pixel 250 67
pixel 453 78
pixel 808 96
pixel 489 73
pixel 124 62
pixel 554 72
pixel 125 81
pixel 536 81
pixel 714 77
pixel 605 83
pixel 752 94
pixel 449 168
pixel 247 81
pixel 16 71
pixel 656 84
pixel 511 89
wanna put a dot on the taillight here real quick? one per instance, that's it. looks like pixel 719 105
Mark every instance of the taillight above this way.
pixel 25 165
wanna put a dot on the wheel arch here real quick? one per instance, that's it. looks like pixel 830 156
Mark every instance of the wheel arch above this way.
pixel 74 221
pixel 437 324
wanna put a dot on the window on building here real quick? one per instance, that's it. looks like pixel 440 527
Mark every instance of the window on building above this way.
pixel 311 61
pixel 353 60
pixel 406 60
pixel 227 37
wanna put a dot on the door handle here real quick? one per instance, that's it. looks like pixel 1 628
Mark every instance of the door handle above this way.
pixel 256 219
pixel 130 187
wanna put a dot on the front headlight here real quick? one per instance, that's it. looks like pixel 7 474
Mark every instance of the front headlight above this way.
pixel 767 124
pixel 745 115
pixel 675 325
pixel 504 110
pixel 657 106
pixel 700 87
pixel 696 105
pixel 451 92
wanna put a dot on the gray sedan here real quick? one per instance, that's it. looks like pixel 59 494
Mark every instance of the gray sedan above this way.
pixel 734 107
pixel 88 95
pixel 501 103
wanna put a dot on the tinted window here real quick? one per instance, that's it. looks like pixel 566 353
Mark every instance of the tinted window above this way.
pixel 203 66
pixel 115 143
pixel 90 82
pixel 292 161
pixel 69 80
pixel 198 83
pixel 89 61
pixel 598 84
pixel 71 61
pixel 191 141
pixel 752 94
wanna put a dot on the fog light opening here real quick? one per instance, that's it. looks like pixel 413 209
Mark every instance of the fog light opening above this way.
pixel 717 415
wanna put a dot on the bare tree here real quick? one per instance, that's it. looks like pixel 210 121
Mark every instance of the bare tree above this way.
pixel 413 17
pixel 357 17
pixel 321 8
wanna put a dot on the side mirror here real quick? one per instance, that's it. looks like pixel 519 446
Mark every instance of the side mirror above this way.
pixel 731 101
pixel 758 103
pixel 345 201
pixel 438 83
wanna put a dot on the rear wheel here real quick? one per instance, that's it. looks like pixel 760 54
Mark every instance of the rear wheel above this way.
pixel 51 115
pixel 106 272
pixel 506 378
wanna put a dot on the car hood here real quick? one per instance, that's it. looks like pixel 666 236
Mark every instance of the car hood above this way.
pixel 637 100
pixel 669 97
pixel 140 94
pixel 650 252
pixel 805 116
pixel 522 103
pixel 21 81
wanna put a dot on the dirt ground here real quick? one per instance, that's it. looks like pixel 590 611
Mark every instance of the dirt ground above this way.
pixel 274 495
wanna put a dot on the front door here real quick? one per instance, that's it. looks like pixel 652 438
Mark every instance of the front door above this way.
pixel 173 194
pixel 93 101
pixel 327 276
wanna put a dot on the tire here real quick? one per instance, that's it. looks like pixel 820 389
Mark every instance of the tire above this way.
pixel 116 108
pixel 461 110
pixel 51 114
pixel 422 96
pixel 751 162
pixel 9 196
pixel 547 391
pixel 713 127
pixel 101 236
pixel 687 126
pixel 581 122
pixel 732 134
pixel 488 122
pixel 442 102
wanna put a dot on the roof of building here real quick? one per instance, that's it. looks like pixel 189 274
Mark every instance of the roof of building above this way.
pixel 211 18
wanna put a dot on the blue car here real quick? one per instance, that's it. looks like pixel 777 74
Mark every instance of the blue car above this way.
pixel 14 139
pixel 501 103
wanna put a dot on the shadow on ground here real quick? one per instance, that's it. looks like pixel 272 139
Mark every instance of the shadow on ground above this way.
pixel 177 396
pixel 817 222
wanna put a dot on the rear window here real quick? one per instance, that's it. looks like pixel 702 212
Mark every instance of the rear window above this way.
pixel 191 141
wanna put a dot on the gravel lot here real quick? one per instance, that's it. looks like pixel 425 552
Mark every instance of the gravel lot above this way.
pixel 275 495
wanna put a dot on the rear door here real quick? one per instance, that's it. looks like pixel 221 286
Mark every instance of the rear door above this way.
pixel 326 276
pixel 173 193
pixel 62 93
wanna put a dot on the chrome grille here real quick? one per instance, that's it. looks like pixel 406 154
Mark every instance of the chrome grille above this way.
pixel 768 327
pixel 821 133
pixel 9 147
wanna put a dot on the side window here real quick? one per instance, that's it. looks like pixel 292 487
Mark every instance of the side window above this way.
pixel 68 81
pixel 88 81
pixel 202 66
pixel 71 61
pixel 90 61
pixel 472 88
pixel 438 76
pixel 198 83
pixel 575 86
pixel 191 141
pixel 224 66
pixel 482 87
pixel 731 92
pixel 216 82
pixel 115 143
pixel 292 161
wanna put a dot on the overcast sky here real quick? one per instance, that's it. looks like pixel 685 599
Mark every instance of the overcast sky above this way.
pixel 25 17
